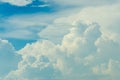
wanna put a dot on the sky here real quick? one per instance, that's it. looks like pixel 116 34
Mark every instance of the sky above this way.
pixel 59 39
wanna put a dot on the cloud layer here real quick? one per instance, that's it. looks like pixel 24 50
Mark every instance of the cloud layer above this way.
pixel 83 54
pixel 81 46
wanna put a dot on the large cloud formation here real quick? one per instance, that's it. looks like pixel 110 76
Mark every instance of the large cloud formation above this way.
pixel 89 50
pixel 84 53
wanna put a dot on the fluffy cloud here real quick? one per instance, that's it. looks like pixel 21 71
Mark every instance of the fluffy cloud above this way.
pixel 35 65
pixel 8 58
pixel 83 54
pixel 18 2
pixel 90 49
pixel 103 15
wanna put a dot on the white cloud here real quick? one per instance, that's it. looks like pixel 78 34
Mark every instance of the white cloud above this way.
pixel 89 50
pixel 83 54
pixel 25 2
pixel 18 2
pixel 103 15
pixel 44 5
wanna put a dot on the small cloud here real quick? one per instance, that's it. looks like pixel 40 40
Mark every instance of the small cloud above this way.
pixel 18 2
pixel 44 5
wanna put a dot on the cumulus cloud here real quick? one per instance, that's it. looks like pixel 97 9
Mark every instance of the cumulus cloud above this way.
pixel 17 2
pixel 83 54
pixel 8 58
pixel 103 15
pixel 90 49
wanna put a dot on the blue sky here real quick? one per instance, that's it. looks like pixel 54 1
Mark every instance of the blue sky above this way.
pixel 7 10
pixel 42 39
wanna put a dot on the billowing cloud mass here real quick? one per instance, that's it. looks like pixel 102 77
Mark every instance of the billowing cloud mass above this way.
pixel 103 15
pixel 17 2
pixel 80 45
pixel 84 53
pixel 8 58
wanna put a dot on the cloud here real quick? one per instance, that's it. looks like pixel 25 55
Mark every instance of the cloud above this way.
pixel 90 49
pixel 44 5
pixel 18 2
pixel 21 3
pixel 103 15
pixel 8 58
pixel 83 54
pixel 22 27
pixel 83 3
pixel 28 26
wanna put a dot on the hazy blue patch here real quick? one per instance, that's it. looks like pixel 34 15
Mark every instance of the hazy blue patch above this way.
pixel 19 43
